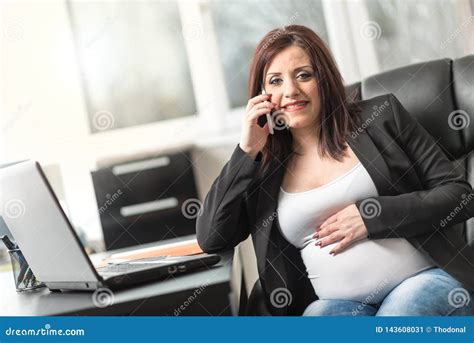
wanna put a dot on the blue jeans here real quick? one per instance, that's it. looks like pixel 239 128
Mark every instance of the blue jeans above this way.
pixel 432 292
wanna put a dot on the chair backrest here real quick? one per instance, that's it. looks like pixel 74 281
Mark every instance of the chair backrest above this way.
pixel 440 94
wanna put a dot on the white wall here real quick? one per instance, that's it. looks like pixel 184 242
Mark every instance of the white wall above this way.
pixel 43 107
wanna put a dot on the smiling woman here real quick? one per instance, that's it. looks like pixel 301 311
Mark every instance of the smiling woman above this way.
pixel 270 14
pixel 351 241
pixel 307 87
pixel 299 74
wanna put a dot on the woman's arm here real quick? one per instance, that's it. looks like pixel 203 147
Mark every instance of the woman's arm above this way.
pixel 447 193
pixel 224 222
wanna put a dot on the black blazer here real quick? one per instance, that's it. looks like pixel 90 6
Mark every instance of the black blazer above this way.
pixel 422 197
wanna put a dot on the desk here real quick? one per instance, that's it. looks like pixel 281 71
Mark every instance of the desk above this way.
pixel 158 298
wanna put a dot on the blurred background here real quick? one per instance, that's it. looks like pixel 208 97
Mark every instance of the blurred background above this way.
pixel 133 107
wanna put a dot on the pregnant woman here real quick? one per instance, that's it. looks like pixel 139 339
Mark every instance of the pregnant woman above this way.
pixel 345 218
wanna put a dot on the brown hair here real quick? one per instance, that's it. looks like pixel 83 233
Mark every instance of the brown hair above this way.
pixel 338 114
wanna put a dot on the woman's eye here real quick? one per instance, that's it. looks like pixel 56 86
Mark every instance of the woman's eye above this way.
pixel 301 76
pixel 304 76
pixel 275 81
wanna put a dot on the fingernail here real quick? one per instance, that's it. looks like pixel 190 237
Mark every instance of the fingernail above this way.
pixel 316 236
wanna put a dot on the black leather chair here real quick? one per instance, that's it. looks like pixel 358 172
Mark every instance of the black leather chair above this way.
pixel 430 91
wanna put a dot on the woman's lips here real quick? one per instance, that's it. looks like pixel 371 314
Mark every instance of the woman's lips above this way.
pixel 296 107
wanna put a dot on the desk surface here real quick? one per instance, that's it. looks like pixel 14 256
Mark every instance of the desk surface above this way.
pixel 203 292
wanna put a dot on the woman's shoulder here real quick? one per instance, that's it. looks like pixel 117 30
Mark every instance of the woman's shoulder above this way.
pixel 375 106
pixel 380 110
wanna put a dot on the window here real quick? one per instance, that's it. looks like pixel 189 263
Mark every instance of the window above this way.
pixel 240 25
pixel 133 62
pixel 406 32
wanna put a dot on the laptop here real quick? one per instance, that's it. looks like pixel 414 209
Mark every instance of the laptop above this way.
pixel 52 248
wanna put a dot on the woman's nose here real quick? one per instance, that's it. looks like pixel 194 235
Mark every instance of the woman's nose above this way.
pixel 291 90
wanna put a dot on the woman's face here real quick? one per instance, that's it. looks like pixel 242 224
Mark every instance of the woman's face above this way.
pixel 291 80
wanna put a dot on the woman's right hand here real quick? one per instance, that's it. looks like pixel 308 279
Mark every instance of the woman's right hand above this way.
pixel 253 137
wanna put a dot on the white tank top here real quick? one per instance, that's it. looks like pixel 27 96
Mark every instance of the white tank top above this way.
pixel 365 271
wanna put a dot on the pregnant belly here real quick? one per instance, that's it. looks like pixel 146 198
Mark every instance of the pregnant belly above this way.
pixel 366 271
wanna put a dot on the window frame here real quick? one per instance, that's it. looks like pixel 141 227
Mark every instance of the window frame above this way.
pixel 215 122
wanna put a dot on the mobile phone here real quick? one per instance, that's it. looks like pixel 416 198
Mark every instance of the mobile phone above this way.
pixel 266 118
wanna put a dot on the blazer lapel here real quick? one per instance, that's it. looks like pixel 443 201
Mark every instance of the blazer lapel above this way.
pixel 266 207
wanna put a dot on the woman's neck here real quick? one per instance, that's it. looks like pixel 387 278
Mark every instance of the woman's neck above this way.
pixel 305 141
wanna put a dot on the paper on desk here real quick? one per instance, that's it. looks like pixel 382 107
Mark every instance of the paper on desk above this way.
pixel 183 248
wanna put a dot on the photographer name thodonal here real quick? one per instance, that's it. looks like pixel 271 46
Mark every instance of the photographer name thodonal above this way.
pixel 449 329
pixel 419 329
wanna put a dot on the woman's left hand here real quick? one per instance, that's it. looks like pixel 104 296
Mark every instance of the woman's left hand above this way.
pixel 346 226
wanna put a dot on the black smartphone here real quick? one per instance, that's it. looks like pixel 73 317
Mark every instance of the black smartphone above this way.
pixel 266 117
